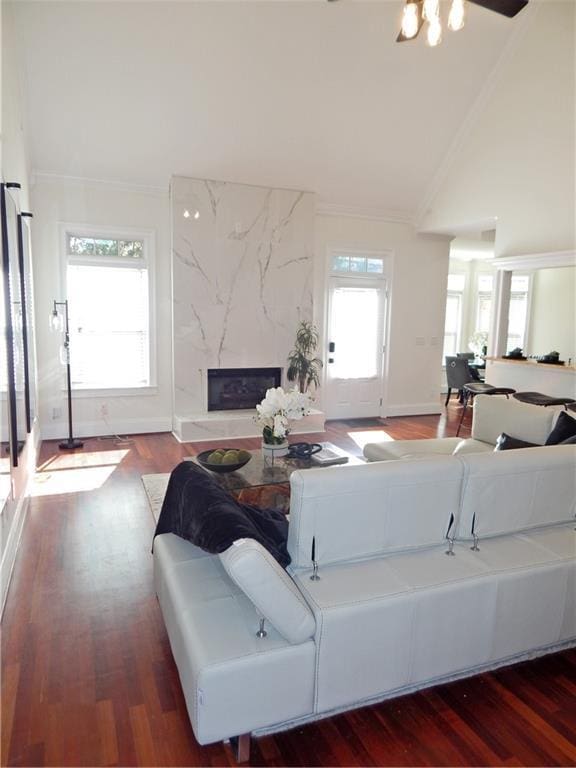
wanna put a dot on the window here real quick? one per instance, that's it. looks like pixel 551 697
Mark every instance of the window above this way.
pixel 453 324
pixel 484 303
pixel 518 312
pixel 343 263
pixel 109 304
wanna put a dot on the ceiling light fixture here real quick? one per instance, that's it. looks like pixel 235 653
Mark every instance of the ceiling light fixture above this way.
pixel 417 12
pixel 410 20
pixel 434 34
pixel 431 10
pixel 457 15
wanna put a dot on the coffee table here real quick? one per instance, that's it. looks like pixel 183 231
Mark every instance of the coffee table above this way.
pixel 265 484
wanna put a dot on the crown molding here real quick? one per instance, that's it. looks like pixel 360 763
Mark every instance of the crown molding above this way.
pixel 121 186
pixel 477 108
pixel 365 212
pixel 550 260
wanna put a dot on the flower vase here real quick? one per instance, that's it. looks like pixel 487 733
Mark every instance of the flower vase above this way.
pixel 272 451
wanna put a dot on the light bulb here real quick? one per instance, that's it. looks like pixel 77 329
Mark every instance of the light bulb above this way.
pixel 410 20
pixel 456 16
pixel 196 214
pixel 434 33
pixel 431 10
pixel 186 214
pixel 56 323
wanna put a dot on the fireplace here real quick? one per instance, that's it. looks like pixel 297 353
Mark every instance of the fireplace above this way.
pixel 240 388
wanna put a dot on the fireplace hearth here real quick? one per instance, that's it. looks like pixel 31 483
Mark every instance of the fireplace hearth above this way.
pixel 234 389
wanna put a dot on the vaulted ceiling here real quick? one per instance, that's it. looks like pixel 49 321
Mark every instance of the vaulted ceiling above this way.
pixel 302 94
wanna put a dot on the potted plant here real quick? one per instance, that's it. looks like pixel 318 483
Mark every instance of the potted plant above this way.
pixel 303 367
pixel 274 414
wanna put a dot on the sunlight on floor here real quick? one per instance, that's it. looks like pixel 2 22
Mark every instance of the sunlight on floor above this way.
pixel 88 459
pixel 370 436
pixel 75 472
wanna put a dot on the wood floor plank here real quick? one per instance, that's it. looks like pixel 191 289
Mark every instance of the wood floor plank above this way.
pixel 87 673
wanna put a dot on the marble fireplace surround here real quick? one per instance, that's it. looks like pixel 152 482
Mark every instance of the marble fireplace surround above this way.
pixel 242 276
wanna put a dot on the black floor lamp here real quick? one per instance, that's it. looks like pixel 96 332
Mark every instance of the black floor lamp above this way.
pixel 56 324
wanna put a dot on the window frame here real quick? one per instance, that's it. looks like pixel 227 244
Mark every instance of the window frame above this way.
pixel 528 293
pixel 362 253
pixel 460 296
pixel 148 237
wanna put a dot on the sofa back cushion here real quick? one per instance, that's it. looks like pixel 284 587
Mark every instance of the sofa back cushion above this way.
pixel 494 414
pixel 355 512
pixel 511 491
pixel 270 588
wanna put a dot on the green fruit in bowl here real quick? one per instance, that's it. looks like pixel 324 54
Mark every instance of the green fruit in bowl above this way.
pixel 214 458
pixel 230 457
pixel 244 455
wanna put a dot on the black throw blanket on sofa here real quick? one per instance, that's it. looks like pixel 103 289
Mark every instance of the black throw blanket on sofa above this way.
pixel 196 508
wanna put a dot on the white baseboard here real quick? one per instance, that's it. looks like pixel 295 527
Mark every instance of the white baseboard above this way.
pixel 59 431
pixel 414 409
pixel 11 547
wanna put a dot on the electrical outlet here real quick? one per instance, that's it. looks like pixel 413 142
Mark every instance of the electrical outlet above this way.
pixel 56 413
pixel 104 410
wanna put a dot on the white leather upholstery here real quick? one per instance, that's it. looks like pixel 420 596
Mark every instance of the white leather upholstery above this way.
pixel 233 681
pixel 270 588
pixel 402 449
pixel 514 491
pixel 473 446
pixel 494 415
pixel 413 617
pixel 392 611
pixel 360 511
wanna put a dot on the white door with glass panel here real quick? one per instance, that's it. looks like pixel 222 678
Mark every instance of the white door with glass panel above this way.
pixel 355 355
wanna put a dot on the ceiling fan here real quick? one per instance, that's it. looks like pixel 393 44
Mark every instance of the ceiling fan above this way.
pixel 416 12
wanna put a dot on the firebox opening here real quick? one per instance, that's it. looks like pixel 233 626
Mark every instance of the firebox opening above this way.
pixel 240 388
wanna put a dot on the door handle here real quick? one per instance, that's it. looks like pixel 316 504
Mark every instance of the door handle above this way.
pixel 331 347
pixel 330 359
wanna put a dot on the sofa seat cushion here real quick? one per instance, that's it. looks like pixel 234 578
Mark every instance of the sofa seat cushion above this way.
pixel 409 618
pixel 230 678
pixel 270 588
pixel 401 449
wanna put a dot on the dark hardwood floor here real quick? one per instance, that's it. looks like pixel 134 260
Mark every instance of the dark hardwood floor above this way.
pixel 88 677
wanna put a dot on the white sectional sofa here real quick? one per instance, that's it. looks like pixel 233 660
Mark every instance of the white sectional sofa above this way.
pixel 492 416
pixel 392 611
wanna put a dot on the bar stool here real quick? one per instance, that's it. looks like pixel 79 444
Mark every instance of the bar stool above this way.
pixel 480 388
pixel 537 398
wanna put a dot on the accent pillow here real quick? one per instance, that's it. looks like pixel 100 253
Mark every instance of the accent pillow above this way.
pixel 270 588
pixel 565 428
pixel 505 442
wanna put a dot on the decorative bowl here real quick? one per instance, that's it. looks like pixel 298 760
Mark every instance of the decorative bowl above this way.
pixel 201 458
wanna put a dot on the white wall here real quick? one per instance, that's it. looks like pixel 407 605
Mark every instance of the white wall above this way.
pixel 517 161
pixel 418 303
pixel 57 201
pixel 553 313
pixel 14 163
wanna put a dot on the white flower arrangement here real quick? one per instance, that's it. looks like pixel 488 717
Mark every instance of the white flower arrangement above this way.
pixel 276 411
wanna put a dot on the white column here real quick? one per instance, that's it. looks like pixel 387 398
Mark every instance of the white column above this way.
pixel 499 324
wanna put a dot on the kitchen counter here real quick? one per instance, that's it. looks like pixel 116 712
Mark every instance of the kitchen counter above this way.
pixel 531 376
